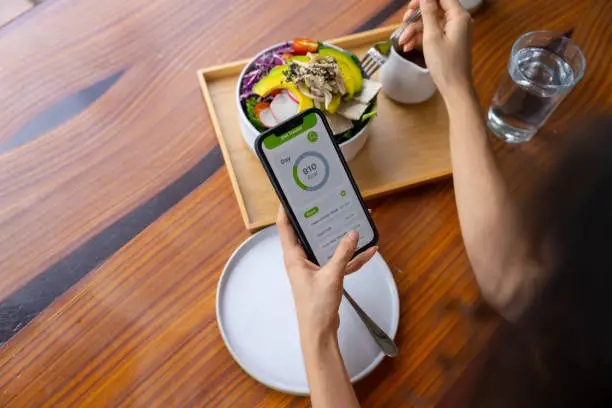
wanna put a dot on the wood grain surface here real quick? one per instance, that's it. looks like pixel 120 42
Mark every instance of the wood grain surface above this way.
pixel 139 329
pixel 407 144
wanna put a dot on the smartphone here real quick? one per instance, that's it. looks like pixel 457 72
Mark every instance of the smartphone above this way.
pixel 315 185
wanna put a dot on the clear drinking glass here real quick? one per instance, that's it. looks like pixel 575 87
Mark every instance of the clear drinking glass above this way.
pixel 543 68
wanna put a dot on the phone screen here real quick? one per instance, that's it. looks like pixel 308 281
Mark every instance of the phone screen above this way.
pixel 320 193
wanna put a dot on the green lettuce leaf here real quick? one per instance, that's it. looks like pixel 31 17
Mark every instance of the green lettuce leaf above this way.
pixel 342 137
pixel 251 101
pixel 370 113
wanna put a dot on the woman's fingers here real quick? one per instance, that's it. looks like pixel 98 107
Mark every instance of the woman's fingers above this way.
pixel 406 35
pixel 414 43
pixel 452 6
pixel 360 260
pixel 431 18
pixel 419 40
pixel 411 32
pixel 288 239
pixel 409 46
pixel 407 14
pixel 412 5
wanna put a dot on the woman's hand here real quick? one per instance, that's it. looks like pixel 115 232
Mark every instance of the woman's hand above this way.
pixel 446 34
pixel 318 290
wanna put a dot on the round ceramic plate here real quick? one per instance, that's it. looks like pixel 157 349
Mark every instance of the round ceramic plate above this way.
pixel 256 315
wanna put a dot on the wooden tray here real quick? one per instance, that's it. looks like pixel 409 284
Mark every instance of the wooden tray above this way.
pixel 408 144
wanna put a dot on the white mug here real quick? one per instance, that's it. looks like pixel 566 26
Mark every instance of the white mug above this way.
pixel 404 81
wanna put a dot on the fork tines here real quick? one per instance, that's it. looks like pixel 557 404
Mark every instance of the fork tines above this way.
pixel 371 62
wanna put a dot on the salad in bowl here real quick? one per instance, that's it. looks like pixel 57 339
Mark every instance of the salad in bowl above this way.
pixel 290 77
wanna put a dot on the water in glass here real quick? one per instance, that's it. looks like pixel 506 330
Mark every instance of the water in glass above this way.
pixel 537 81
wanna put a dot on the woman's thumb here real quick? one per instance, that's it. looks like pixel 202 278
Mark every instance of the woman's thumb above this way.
pixel 345 251
pixel 431 25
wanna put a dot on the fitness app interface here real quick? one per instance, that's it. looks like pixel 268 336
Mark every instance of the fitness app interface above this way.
pixel 317 187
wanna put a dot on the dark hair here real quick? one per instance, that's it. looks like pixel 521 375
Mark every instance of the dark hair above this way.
pixel 559 353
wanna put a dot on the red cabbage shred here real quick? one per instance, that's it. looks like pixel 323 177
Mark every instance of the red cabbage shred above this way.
pixel 260 68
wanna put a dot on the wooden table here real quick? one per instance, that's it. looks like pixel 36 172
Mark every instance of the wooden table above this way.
pixel 115 224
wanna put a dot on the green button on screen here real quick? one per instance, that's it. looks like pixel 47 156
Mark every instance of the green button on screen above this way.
pixel 311 212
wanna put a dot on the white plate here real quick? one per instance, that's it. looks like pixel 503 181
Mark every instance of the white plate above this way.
pixel 256 315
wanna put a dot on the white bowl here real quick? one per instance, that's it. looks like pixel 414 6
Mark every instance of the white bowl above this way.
pixel 349 148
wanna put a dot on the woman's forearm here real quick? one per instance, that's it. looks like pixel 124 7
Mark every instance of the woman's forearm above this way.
pixel 329 382
pixel 491 225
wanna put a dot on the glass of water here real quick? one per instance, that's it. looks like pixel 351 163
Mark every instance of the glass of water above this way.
pixel 543 68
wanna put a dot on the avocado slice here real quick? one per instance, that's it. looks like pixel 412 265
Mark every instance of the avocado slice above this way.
pixel 334 104
pixel 276 80
pixel 270 82
pixel 301 58
pixel 349 70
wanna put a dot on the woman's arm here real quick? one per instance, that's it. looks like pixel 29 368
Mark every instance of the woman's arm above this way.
pixel 491 224
pixel 329 382
pixel 317 292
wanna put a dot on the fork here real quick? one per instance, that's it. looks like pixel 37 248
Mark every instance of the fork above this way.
pixel 378 53
pixel 386 343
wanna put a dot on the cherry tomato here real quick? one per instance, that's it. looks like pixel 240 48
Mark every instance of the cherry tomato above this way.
pixel 286 56
pixel 259 107
pixel 302 46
